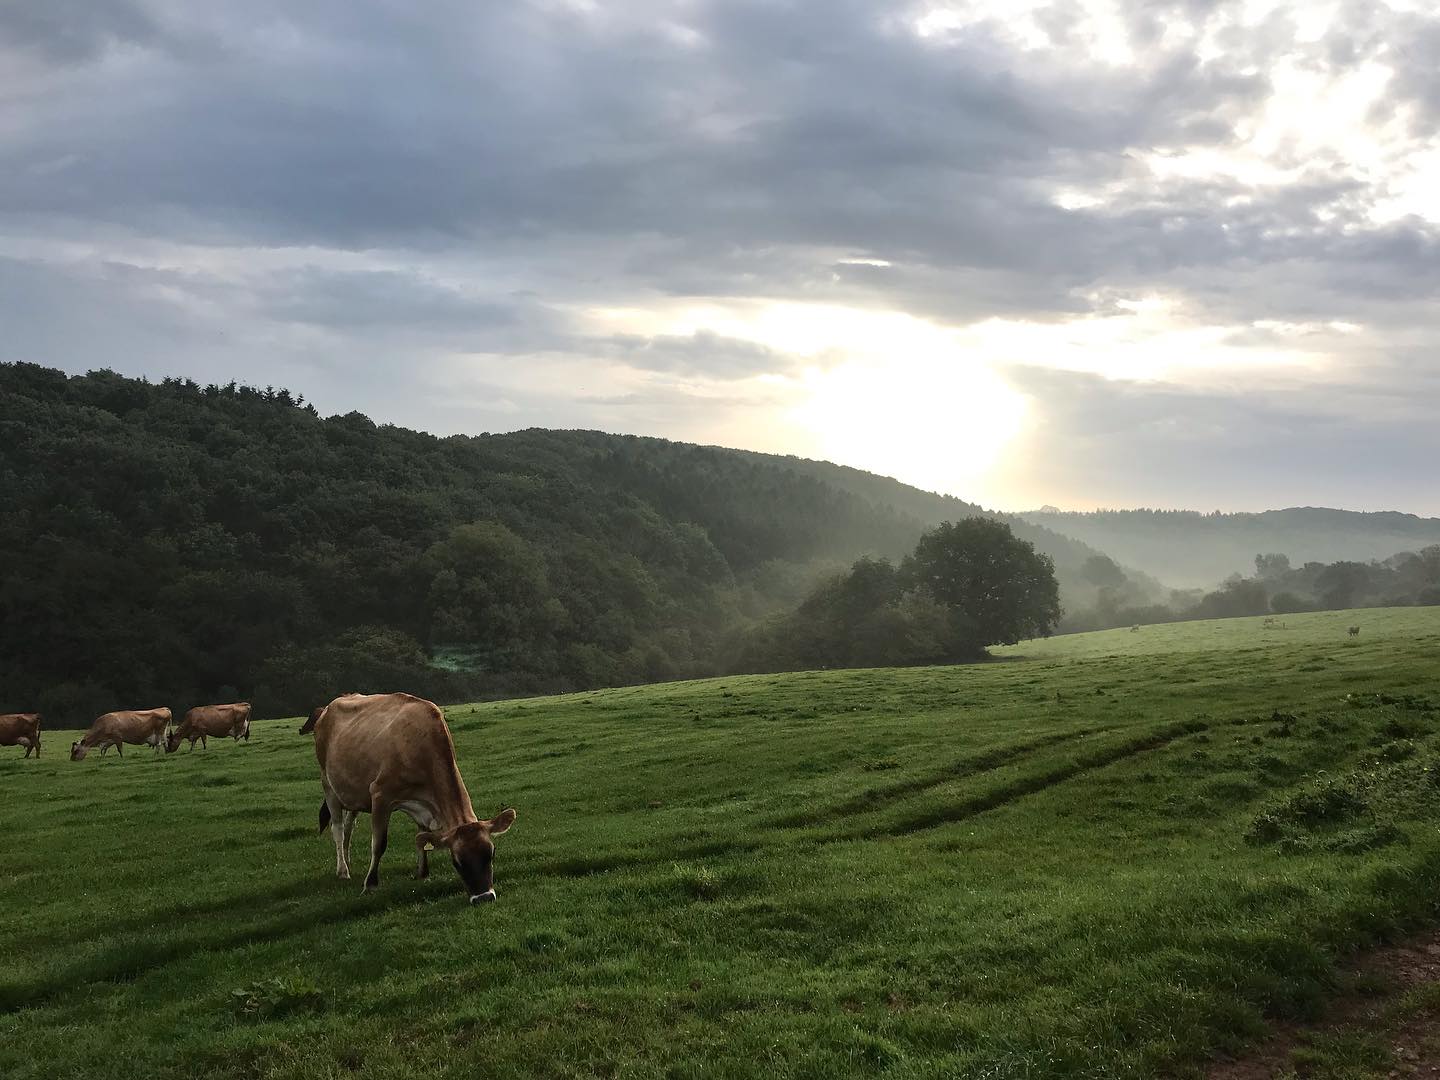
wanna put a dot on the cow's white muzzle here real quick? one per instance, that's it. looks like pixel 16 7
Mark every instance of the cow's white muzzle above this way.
pixel 486 897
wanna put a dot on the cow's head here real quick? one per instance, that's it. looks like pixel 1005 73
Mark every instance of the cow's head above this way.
pixel 472 851
pixel 77 751
pixel 172 740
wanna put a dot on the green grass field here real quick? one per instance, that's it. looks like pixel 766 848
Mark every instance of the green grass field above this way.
pixel 1108 855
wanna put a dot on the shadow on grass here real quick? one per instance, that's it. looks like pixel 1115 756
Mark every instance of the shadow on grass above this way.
pixel 130 959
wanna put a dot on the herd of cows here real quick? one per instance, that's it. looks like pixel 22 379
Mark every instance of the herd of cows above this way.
pixel 378 753
pixel 139 727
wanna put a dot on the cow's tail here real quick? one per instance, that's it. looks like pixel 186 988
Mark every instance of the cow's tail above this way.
pixel 309 725
pixel 324 816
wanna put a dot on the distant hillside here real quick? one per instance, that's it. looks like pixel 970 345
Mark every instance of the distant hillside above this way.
pixel 930 508
pixel 1186 548
pixel 171 543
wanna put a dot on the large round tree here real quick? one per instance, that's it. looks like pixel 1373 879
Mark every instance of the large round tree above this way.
pixel 998 589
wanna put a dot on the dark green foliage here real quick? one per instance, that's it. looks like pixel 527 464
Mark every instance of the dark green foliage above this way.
pixel 996 589
pixel 170 544
pixel 1238 596
pixel 966 586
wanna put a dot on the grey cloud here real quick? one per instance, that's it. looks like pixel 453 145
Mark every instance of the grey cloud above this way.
pixel 762 142
pixel 703 352
pixel 67 31
pixel 409 305
pixel 1123 443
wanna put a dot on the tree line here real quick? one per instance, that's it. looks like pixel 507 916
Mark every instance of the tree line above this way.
pixel 1406 579
pixel 173 543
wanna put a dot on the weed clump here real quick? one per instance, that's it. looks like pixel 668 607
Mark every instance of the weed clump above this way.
pixel 270 999
pixel 1356 811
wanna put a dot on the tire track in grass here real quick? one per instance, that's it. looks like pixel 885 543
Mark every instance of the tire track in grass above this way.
pixel 1019 788
pixel 992 798
pixel 976 764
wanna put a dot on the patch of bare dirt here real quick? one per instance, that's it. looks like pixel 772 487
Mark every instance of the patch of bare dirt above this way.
pixel 1388 974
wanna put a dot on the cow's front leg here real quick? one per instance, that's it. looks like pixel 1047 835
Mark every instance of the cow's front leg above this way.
pixel 379 838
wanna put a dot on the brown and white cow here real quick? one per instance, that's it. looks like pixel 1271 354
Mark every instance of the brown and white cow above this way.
pixel 21 729
pixel 206 720
pixel 139 727
pixel 380 753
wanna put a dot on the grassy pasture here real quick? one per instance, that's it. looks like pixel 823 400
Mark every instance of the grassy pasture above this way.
pixel 1107 855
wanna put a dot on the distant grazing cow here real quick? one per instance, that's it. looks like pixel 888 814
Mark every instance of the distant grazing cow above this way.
pixel 205 720
pixel 1354 631
pixel 21 729
pixel 1135 629
pixel 380 753
pixel 141 727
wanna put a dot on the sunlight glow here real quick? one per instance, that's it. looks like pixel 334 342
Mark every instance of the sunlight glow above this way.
pixel 940 422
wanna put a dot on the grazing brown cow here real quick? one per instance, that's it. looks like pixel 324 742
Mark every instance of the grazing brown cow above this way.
pixel 205 720
pixel 1354 631
pixel 140 727
pixel 380 753
pixel 309 725
pixel 21 729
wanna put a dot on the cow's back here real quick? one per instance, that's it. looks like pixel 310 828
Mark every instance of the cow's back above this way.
pixel 131 723
pixel 217 719
pixel 17 725
pixel 361 737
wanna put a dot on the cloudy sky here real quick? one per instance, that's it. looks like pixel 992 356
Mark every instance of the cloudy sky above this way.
pixel 1089 252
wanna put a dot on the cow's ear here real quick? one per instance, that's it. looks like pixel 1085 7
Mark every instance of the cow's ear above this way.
pixel 427 840
pixel 501 822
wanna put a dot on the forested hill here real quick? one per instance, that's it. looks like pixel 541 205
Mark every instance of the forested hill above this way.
pixel 171 543
pixel 1188 548
pixel 930 508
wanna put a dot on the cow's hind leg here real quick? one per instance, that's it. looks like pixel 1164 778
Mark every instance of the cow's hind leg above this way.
pixel 347 826
pixel 335 814
pixel 379 837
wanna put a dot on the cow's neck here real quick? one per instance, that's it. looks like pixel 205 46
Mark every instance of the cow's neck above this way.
pixel 449 803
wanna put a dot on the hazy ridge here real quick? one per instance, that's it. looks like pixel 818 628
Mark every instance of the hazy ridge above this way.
pixel 1189 548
